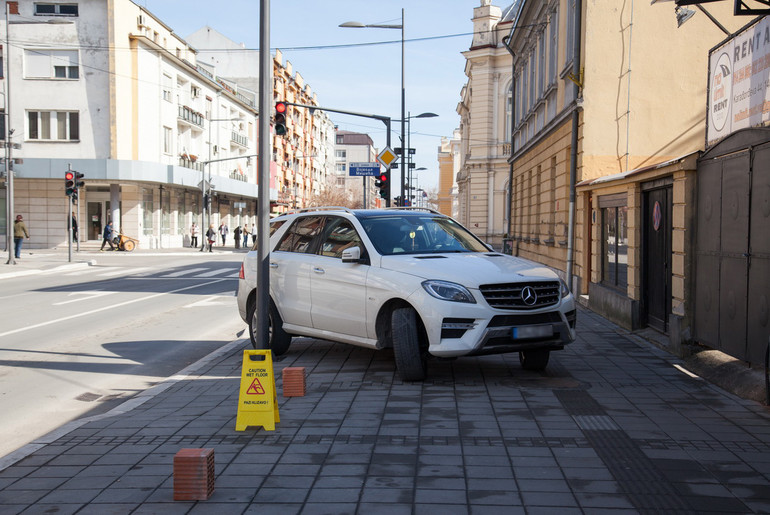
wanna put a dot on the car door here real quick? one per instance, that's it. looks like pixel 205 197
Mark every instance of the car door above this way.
pixel 290 265
pixel 337 289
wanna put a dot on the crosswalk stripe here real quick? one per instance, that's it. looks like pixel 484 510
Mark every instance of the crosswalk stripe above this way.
pixel 215 272
pixel 188 271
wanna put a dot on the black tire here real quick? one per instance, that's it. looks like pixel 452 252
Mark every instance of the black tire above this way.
pixel 410 355
pixel 536 359
pixel 278 339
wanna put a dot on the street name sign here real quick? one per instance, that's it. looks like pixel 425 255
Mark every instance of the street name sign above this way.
pixel 363 169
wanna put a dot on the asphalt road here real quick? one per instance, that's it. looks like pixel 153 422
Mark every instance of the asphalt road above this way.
pixel 76 343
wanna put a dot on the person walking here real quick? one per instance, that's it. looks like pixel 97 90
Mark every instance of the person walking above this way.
pixel 74 228
pixel 223 230
pixel 254 235
pixel 19 233
pixel 211 236
pixel 245 235
pixel 193 236
pixel 237 236
pixel 107 237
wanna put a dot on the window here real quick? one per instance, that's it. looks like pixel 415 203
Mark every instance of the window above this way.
pixel 181 211
pixel 341 154
pixel 541 64
pixel 554 46
pixel 45 9
pixel 53 125
pixel 340 235
pixel 532 79
pixel 614 241
pixel 166 87
pixel 51 64
pixel 165 211
pixel 508 114
pixel 570 43
pixel 2 123
pixel 300 236
pixel 341 167
pixel 148 209
pixel 167 140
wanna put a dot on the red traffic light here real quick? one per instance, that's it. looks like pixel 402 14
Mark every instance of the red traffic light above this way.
pixel 280 107
pixel 68 176
pixel 384 177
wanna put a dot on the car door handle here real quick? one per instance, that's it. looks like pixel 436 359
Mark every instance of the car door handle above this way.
pixel 273 265
pixel 319 270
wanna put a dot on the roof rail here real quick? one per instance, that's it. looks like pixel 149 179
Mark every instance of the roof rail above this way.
pixel 414 208
pixel 322 208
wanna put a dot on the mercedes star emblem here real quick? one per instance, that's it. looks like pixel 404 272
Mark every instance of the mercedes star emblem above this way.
pixel 528 295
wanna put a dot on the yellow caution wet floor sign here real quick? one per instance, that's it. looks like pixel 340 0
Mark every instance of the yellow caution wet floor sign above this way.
pixel 257 400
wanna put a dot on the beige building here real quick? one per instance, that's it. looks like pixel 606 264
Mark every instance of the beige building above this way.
pixel 448 166
pixel 603 108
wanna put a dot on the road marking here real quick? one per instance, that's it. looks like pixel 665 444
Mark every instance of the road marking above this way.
pixel 213 300
pixel 122 270
pixel 90 295
pixel 104 308
pixel 184 272
pixel 214 272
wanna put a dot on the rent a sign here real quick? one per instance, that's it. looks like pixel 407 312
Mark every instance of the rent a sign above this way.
pixel 739 82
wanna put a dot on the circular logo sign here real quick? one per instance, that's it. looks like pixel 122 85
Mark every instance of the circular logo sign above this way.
pixel 721 91
pixel 528 295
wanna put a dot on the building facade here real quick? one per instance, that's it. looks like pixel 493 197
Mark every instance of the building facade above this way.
pixel 448 166
pixel 602 120
pixel 355 147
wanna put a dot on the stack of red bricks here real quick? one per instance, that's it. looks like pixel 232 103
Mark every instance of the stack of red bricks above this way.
pixel 293 381
pixel 193 474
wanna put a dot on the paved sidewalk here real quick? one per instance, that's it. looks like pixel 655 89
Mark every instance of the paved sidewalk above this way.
pixel 611 427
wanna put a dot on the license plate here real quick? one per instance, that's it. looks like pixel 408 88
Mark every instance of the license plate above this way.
pixel 532 331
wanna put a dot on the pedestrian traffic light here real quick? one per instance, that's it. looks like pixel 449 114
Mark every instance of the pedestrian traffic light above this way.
pixel 280 119
pixel 78 180
pixel 69 183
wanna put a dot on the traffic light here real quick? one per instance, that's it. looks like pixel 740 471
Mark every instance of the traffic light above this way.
pixel 383 184
pixel 78 184
pixel 69 183
pixel 280 119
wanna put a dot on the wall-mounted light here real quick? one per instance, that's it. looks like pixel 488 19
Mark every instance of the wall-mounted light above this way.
pixel 682 15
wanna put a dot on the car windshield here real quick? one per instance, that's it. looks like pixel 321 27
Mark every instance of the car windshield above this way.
pixel 420 235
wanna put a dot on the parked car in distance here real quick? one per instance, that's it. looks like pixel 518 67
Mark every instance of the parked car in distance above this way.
pixel 409 279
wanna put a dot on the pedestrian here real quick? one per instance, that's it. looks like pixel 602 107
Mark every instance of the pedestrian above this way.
pixel 211 236
pixel 107 237
pixel 246 235
pixel 193 236
pixel 19 233
pixel 223 230
pixel 254 235
pixel 74 228
pixel 237 236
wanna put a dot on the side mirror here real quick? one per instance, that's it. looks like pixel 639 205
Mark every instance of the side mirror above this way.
pixel 351 255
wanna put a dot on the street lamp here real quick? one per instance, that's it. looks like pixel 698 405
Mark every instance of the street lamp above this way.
pixel 359 25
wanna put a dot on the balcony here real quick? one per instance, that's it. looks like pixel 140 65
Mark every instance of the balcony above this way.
pixel 239 140
pixel 189 163
pixel 193 118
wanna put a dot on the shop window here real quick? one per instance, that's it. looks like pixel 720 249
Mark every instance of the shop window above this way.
pixel 148 209
pixel 614 241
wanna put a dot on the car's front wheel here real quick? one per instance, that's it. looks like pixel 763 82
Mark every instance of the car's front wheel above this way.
pixel 536 359
pixel 409 353
pixel 278 339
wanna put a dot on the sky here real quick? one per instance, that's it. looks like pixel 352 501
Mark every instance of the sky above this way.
pixel 365 75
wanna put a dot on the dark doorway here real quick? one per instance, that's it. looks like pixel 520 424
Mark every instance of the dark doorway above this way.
pixel 656 259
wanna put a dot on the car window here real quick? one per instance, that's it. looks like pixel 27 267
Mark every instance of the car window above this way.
pixel 274 226
pixel 400 234
pixel 339 235
pixel 299 237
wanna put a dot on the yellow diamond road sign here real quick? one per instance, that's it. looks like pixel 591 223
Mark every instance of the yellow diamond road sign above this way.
pixel 387 157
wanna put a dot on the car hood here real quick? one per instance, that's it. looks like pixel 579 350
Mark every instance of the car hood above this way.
pixel 471 269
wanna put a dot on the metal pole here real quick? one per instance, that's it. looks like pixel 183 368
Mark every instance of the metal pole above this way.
pixel 263 186
pixel 403 113
pixel 69 219
pixel 8 146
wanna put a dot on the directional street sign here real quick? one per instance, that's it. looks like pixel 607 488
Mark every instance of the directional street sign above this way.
pixel 387 157
pixel 363 169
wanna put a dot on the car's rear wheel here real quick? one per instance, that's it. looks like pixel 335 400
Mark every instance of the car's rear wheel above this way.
pixel 278 339
pixel 410 354
pixel 536 359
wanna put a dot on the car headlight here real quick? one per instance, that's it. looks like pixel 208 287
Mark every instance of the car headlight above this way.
pixel 445 290
pixel 563 289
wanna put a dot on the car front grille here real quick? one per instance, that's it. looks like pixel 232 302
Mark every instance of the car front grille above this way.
pixel 521 295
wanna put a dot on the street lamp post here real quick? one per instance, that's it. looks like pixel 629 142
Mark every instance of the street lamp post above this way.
pixel 359 25
pixel 408 145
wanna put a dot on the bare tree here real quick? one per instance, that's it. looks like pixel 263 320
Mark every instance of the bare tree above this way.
pixel 336 195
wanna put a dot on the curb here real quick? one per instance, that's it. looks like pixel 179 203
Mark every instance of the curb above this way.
pixel 125 407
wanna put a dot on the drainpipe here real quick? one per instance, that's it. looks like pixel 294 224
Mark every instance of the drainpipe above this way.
pixel 506 41
pixel 573 151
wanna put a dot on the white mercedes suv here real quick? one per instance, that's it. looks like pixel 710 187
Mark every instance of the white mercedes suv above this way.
pixel 411 279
